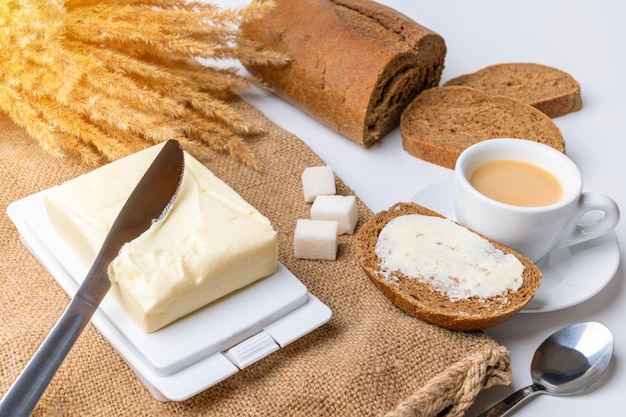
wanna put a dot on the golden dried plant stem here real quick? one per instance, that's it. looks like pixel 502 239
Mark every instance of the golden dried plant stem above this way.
pixel 44 122
pixel 220 139
pixel 76 127
pixel 19 108
pixel 222 86
pixel 102 78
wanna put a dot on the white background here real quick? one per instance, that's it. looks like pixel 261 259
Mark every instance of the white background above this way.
pixel 585 38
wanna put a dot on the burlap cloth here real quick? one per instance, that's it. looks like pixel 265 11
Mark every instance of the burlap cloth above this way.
pixel 371 359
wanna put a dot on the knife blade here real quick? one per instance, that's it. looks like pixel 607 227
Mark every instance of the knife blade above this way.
pixel 149 202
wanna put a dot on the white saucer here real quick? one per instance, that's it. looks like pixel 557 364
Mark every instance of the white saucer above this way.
pixel 570 276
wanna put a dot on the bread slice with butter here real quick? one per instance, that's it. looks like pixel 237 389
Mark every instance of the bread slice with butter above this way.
pixel 462 280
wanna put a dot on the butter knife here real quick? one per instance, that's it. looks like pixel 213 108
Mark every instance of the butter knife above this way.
pixel 149 202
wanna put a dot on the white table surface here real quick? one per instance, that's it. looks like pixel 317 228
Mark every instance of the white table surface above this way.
pixel 585 38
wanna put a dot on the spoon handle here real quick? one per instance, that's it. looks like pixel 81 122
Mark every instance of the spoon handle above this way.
pixel 508 405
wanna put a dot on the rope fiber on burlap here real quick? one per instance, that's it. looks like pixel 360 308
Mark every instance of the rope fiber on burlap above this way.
pixel 370 359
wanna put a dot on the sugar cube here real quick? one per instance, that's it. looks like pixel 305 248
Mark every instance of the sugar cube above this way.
pixel 315 239
pixel 317 181
pixel 340 208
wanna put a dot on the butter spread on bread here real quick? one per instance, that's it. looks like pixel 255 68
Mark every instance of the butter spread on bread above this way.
pixel 451 258
pixel 212 243
pixel 425 300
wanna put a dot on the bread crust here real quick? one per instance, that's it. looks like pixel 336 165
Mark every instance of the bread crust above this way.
pixel 550 90
pixel 355 65
pixel 420 300
pixel 443 121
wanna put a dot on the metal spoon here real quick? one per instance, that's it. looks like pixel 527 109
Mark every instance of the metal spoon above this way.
pixel 568 362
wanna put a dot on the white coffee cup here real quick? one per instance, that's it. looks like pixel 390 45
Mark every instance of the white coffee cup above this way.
pixel 532 231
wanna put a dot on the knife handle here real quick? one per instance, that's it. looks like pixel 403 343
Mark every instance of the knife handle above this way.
pixel 150 201
pixel 21 398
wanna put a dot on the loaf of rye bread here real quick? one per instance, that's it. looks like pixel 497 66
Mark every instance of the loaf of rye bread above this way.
pixel 418 298
pixel 548 89
pixel 442 121
pixel 355 64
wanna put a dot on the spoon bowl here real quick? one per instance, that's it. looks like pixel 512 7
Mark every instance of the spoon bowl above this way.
pixel 568 362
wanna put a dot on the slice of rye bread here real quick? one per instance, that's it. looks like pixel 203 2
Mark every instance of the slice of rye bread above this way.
pixel 442 121
pixel 550 90
pixel 419 299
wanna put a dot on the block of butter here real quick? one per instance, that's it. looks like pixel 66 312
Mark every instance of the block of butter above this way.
pixel 211 244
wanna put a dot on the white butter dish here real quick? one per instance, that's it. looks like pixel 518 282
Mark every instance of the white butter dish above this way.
pixel 199 350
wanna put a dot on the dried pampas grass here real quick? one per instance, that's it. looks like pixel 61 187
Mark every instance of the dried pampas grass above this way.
pixel 104 78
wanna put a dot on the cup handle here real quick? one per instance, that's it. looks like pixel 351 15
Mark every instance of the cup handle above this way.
pixel 575 232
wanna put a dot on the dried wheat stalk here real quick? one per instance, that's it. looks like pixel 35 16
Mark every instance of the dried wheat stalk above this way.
pixel 104 78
